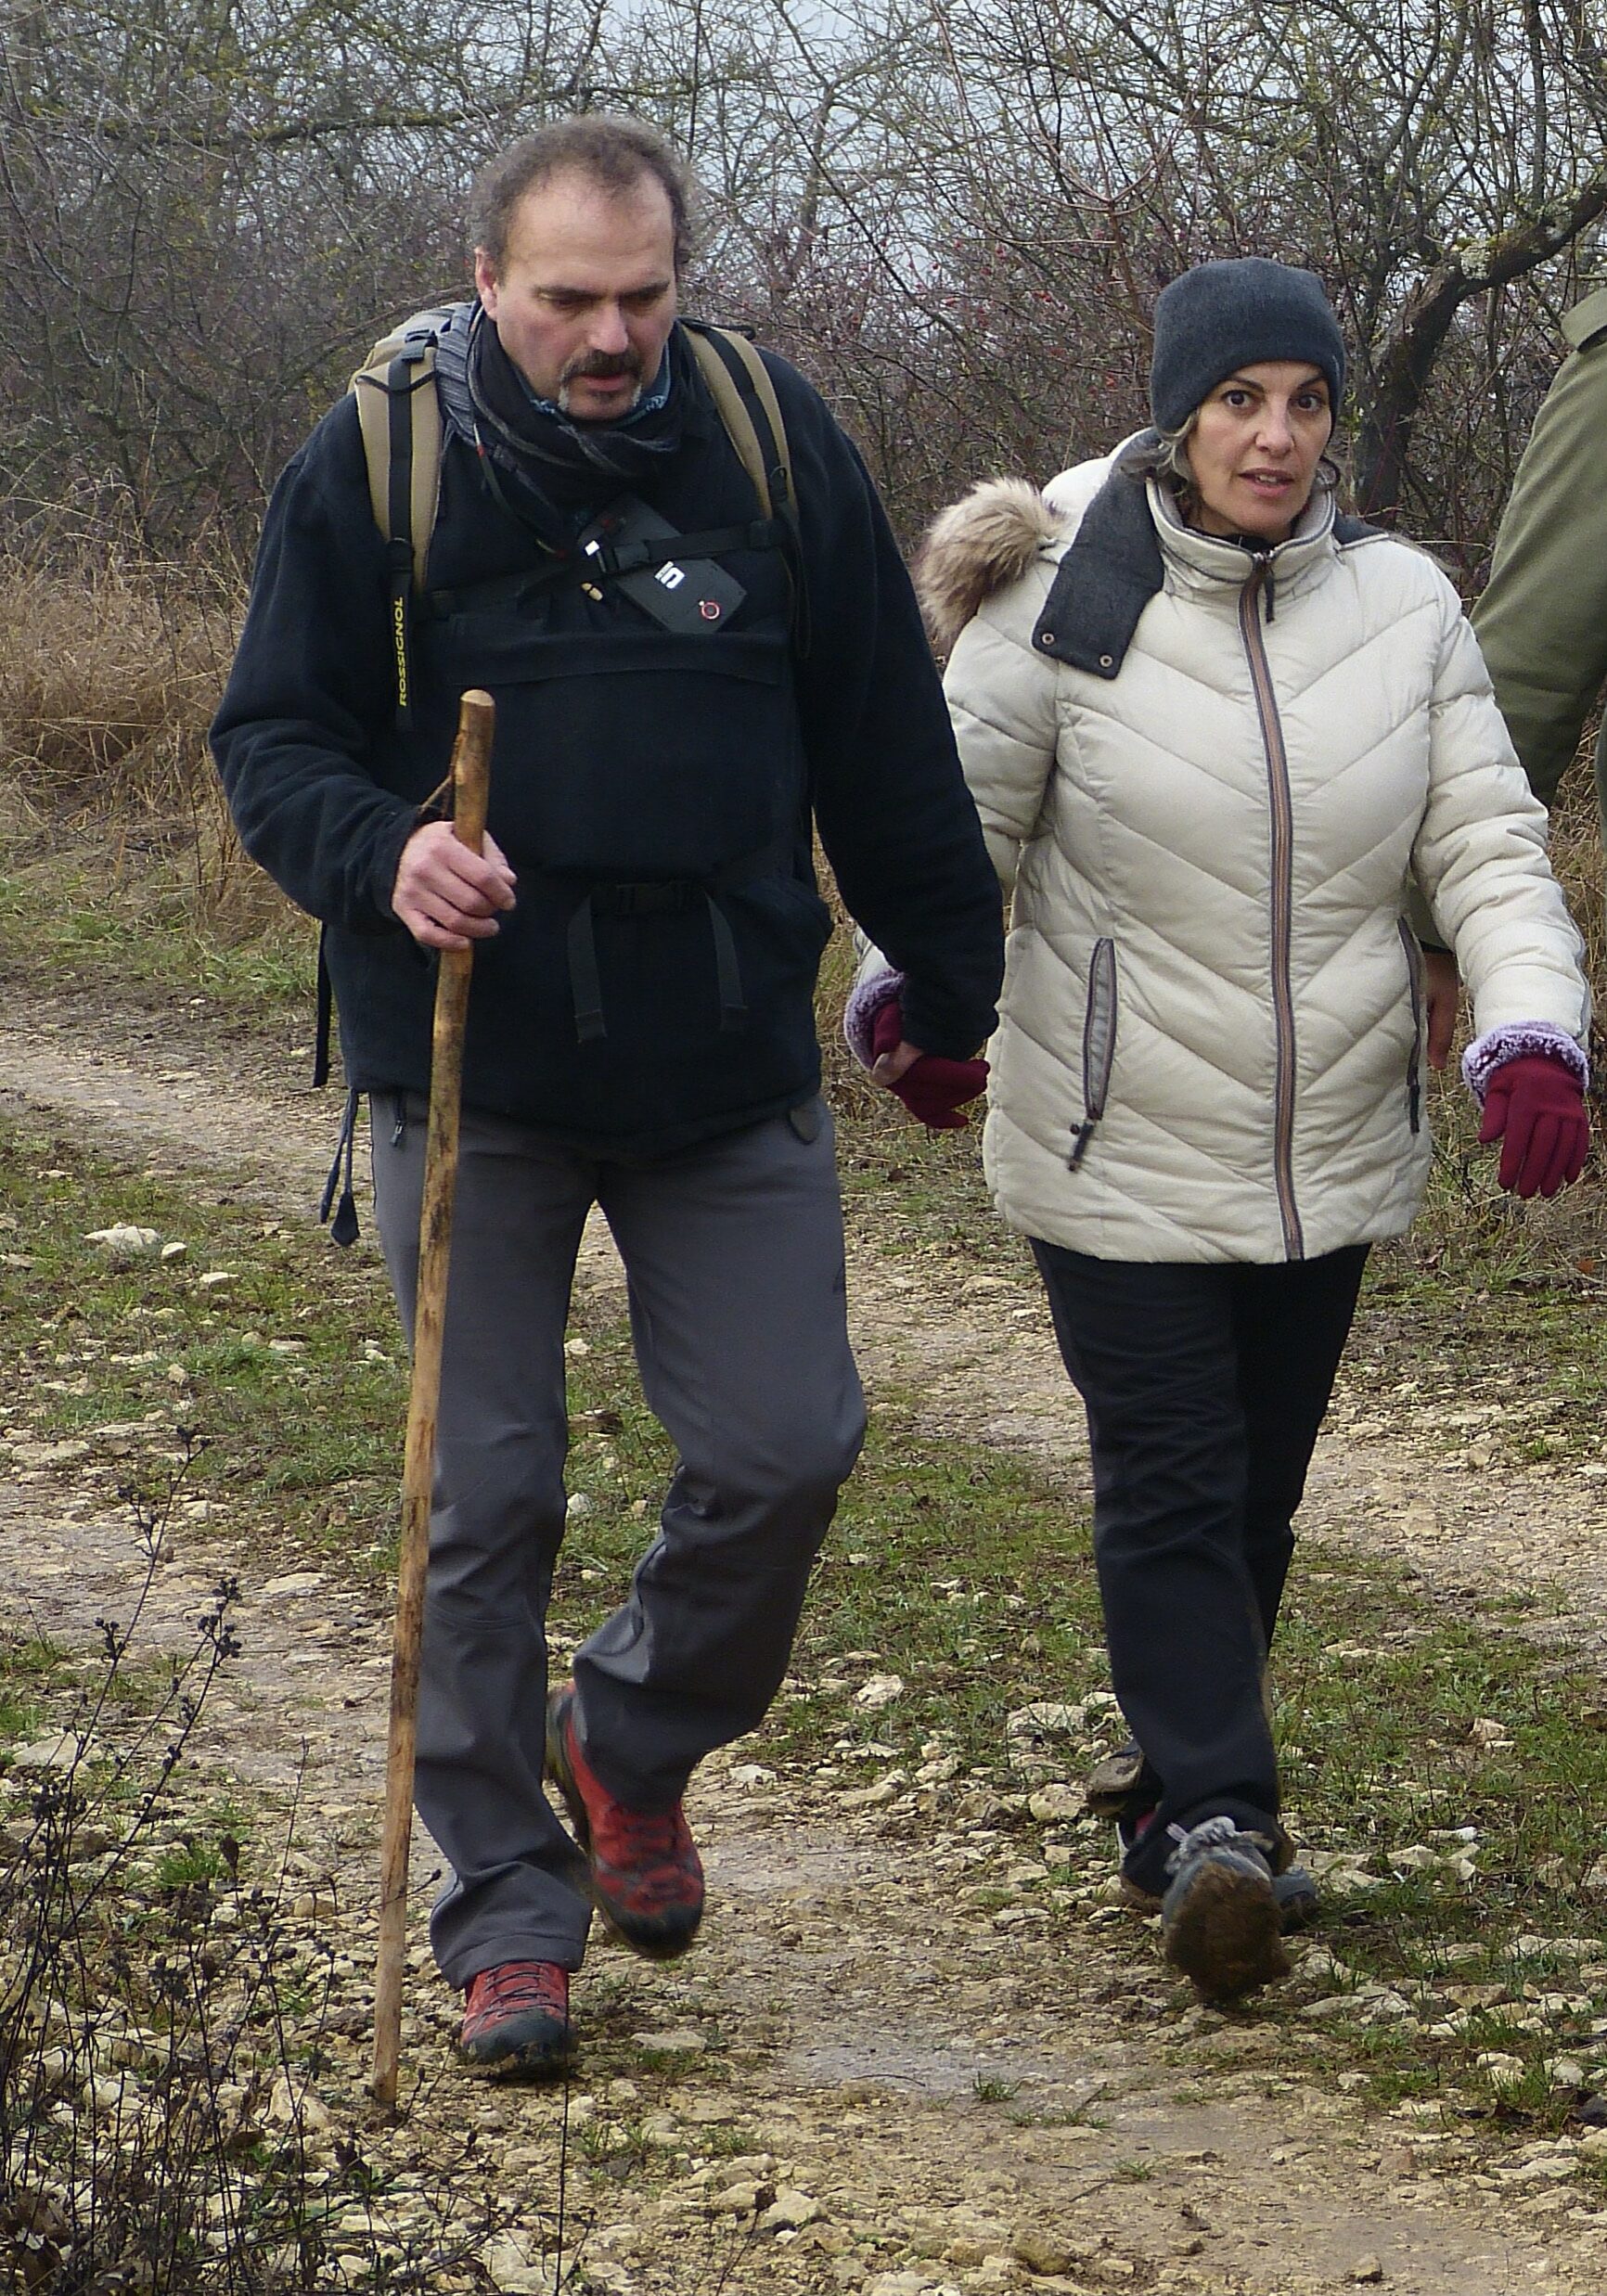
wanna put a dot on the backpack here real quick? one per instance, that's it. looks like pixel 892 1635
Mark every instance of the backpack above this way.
pixel 399 412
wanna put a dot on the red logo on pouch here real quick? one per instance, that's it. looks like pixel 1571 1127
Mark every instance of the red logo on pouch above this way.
pixel 709 609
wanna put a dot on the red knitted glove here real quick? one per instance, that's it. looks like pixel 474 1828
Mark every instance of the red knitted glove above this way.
pixel 1535 1107
pixel 930 1088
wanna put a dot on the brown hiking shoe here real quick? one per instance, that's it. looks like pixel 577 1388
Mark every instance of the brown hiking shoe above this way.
pixel 1220 1920
pixel 1112 1784
pixel 515 2021
pixel 646 1879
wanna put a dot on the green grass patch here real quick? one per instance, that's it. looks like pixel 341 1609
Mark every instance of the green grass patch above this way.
pixel 1446 1773
pixel 84 911
pixel 288 1364
pixel 1450 1770
pixel 192 1860
pixel 33 1671
pixel 18 1718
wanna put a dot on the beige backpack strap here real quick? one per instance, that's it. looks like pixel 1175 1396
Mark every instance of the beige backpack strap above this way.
pixel 397 403
pixel 399 414
pixel 745 399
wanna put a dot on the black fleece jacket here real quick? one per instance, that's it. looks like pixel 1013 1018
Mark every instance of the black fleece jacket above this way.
pixel 326 789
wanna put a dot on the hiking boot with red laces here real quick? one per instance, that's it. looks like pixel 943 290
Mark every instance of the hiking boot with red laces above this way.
pixel 516 2020
pixel 646 1880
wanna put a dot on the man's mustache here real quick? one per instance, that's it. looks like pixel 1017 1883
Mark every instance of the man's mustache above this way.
pixel 602 367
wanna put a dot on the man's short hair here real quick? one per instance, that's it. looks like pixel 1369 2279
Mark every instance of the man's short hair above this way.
pixel 615 154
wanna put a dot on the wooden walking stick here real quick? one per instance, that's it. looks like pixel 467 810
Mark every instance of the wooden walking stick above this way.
pixel 470 783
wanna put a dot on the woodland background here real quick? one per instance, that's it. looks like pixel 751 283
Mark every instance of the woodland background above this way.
pixel 953 213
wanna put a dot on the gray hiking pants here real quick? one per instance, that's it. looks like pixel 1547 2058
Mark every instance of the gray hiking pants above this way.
pixel 733 1254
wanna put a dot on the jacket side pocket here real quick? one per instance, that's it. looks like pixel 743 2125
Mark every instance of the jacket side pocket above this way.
pixel 1414 960
pixel 1098 1046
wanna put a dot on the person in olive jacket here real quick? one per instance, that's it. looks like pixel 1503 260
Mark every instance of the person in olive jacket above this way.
pixel 1542 620
pixel 646 932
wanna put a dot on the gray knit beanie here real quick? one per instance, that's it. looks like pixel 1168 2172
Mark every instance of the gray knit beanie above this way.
pixel 1219 317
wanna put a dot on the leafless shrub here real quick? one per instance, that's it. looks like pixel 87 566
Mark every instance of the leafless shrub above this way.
pixel 955 212
pixel 982 197
pixel 159 2030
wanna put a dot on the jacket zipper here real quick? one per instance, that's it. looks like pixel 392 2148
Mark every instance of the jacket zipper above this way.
pixel 1098 1046
pixel 1282 899
pixel 1414 984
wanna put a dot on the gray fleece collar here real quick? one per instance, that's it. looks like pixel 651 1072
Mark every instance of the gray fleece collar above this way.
pixel 1110 570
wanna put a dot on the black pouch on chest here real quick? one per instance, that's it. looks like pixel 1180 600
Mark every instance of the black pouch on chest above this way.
pixel 689 595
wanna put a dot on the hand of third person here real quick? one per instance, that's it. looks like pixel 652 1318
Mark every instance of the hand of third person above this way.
pixel 1535 1105
pixel 1442 983
pixel 448 897
pixel 931 1088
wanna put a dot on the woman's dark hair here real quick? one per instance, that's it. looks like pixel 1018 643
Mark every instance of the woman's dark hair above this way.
pixel 1162 454
pixel 615 154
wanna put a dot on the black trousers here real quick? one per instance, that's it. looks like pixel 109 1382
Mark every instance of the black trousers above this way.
pixel 1205 1385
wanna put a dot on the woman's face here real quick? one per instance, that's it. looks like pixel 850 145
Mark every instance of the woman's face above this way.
pixel 1254 449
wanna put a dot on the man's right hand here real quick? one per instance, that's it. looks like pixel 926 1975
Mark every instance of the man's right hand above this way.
pixel 446 897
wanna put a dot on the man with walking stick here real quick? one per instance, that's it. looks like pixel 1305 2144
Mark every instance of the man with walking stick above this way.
pixel 663 561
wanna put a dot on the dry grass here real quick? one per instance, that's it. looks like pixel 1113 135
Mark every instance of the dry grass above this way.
pixel 111 670
pixel 109 673
pixel 1577 858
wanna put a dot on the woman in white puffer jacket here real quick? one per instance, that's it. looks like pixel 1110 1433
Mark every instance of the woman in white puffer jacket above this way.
pixel 1225 745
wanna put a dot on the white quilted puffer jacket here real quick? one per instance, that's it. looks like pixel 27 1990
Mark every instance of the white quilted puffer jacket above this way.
pixel 1211 1027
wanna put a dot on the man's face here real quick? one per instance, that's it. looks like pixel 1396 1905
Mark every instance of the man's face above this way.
pixel 584 297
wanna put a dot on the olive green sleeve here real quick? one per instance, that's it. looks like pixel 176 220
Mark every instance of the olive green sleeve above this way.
pixel 1542 620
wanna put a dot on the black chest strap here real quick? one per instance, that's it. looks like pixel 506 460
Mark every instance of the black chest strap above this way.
pixel 605 564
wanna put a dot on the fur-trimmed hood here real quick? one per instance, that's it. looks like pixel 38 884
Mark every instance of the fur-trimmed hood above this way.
pixel 981 543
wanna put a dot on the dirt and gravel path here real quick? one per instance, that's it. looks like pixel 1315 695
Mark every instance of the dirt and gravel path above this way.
pixel 939 2094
